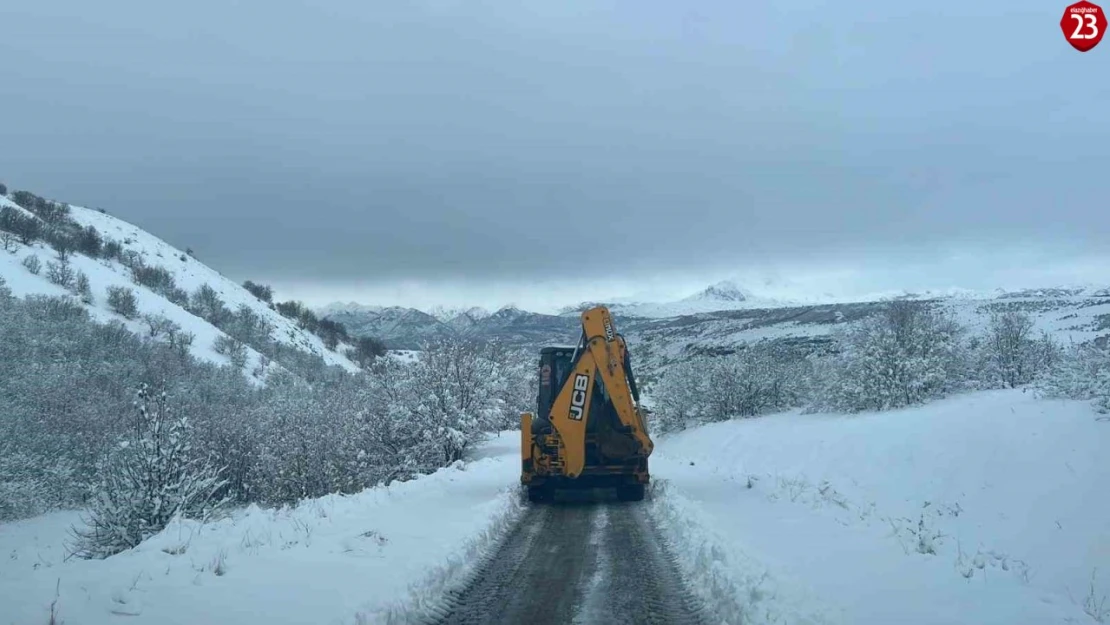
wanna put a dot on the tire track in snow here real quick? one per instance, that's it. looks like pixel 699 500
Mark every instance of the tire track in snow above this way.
pixel 581 564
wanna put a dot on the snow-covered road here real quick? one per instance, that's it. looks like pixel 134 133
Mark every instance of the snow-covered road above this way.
pixel 580 563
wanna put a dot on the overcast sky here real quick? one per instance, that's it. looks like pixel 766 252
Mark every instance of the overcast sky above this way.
pixel 542 153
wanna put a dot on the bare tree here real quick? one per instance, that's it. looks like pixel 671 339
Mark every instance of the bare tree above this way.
pixel 158 325
pixel 60 273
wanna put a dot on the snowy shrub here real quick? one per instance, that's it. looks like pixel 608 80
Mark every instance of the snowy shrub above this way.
pixel 289 310
pixel 308 441
pixel 8 218
pixel 158 325
pixel 331 332
pixel 438 406
pixel 308 320
pixel 89 242
pixel 33 264
pixel 7 240
pixel 679 395
pixel 25 199
pixel 205 303
pixel 61 242
pixel 155 278
pixel 33 483
pixel 130 258
pixel 1010 356
pixel 122 301
pixel 233 348
pixel 111 249
pixel 61 273
pixel 1082 372
pixel 152 476
pixel 261 291
pixel 177 296
pixel 248 326
pixel 48 211
pixel 179 340
pixel 366 350
pixel 27 228
pixel 909 353
pixel 60 408
pixel 82 288
pixel 757 379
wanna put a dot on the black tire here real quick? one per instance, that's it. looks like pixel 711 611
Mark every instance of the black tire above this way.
pixel 537 494
pixel 632 492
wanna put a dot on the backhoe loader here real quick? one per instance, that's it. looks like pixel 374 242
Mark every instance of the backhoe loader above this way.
pixel 589 431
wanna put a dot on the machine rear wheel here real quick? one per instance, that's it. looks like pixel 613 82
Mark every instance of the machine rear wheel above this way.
pixel 538 494
pixel 632 492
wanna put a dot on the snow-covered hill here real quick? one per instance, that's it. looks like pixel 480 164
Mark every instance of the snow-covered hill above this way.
pixel 1073 315
pixel 187 272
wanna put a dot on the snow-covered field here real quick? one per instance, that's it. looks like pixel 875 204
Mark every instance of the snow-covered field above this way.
pixel 332 560
pixel 980 509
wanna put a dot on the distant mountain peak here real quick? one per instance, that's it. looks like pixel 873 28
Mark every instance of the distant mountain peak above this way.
pixel 724 291
pixel 509 311
pixel 448 314
pixel 348 307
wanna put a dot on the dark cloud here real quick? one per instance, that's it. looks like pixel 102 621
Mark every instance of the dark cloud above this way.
pixel 377 142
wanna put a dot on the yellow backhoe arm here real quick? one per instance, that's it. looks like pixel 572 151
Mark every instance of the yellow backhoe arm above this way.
pixel 602 353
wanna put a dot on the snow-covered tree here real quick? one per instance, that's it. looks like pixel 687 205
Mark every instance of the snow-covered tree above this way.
pixel 756 379
pixel 427 414
pixel 679 395
pixel 154 475
pixel 1010 349
pixel 907 354
pixel 1082 372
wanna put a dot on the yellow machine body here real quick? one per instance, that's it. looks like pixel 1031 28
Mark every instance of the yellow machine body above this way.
pixel 589 430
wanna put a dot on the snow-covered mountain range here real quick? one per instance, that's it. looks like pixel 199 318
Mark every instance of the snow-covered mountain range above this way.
pixel 723 317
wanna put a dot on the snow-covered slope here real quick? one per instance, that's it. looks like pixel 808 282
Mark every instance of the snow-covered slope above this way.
pixel 1071 316
pixel 987 508
pixel 188 274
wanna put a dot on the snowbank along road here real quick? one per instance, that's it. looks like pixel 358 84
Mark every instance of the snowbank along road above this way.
pixel 578 563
